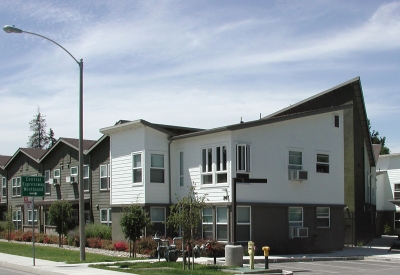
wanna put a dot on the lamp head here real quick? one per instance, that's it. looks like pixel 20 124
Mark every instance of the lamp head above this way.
pixel 11 29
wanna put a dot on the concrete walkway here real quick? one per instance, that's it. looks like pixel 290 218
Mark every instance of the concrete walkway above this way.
pixel 378 248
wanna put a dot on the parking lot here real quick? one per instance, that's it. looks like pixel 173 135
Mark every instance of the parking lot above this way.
pixel 365 267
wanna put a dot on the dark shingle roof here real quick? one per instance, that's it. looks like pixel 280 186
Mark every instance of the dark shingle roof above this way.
pixel 74 142
pixel 33 153
pixel 4 160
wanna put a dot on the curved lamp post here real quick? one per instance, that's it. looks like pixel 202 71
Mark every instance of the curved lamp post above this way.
pixel 12 29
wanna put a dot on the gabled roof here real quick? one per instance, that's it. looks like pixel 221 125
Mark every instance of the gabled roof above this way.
pixel 94 145
pixel 34 154
pixel 342 94
pixel 72 142
pixel 4 160
pixel 170 130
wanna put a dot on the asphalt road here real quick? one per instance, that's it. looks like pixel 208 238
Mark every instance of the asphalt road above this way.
pixel 364 267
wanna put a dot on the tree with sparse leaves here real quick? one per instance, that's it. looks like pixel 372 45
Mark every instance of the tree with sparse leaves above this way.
pixel 186 216
pixel 133 221
pixel 60 215
pixel 37 125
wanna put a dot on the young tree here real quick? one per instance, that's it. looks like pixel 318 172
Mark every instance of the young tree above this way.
pixel 60 215
pixel 376 139
pixel 186 216
pixel 50 139
pixel 133 221
pixel 38 125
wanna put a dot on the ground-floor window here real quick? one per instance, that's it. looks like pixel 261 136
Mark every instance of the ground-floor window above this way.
pixel 295 216
pixel 208 223
pixel 17 221
pixel 105 216
pixel 397 220
pixel 30 216
pixel 243 232
pixel 215 223
pixel 157 217
pixel 323 217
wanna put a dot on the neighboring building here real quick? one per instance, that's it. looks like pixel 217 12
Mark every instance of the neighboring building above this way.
pixel 388 193
pixel 4 188
pixel 316 155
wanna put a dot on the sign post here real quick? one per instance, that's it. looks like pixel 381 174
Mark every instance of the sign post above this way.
pixel 33 186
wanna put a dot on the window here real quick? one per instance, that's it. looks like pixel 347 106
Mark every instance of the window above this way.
pixel 3 187
pixel 336 121
pixel 295 160
pixel 243 224
pixel 222 224
pixel 157 168
pixel 47 182
pixel 17 222
pixel 221 160
pixel 396 191
pixel 157 217
pixel 30 216
pixel 16 187
pixel 322 163
pixel 74 172
pixel 137 168
pixel 57 175
pixel 86 178
pixel 104 177
pixel 206 164
pixel 181 170
pixel 208 224
pixel 397 220
pixel 242 158
pixel 296 216
pixel 105 215
pixel 323 217
pixel 87 216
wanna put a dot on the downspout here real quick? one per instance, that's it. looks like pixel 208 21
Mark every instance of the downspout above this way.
pixel 169 171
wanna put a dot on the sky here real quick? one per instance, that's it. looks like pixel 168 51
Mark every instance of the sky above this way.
pixel 201 64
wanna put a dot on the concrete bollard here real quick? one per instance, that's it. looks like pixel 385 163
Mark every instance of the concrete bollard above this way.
pixel 234 255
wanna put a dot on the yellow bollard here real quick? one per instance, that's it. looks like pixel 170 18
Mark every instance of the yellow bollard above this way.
pixel 250 247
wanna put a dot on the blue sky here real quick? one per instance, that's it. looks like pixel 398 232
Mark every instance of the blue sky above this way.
pixel 201 64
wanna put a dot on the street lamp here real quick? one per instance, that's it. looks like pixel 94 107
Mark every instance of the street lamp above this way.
pixel 12 29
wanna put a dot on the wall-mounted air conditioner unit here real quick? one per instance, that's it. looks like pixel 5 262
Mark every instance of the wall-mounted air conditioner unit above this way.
pixel 298 175
pixel 71 179
pixel 54 182
pixel 298 232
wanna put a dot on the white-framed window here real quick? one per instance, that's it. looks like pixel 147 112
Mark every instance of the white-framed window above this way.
pixel 105 215
pixel 396 192
pixel 181 169
pixel 243 158
pixel 206 165
pixel 87 216
pixel 295 160
pixel 30 216
pixel 336 121
pixel 16 187
pixel 222 223
pixel 323 217
pixel 396 220
pixel 243 233
pixel 3 187
pixel 137 175
pixel 214 163
pixel 157 170
pixel 295 216
pixel 17 221
pixel 322 165
pixel 86 178
pixel 57 175
pixel 208 224
pixel 74 171
pixel 157 217
pixel 105 177
pixel 47 182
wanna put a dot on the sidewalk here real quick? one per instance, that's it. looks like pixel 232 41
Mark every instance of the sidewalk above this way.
pixel 378 249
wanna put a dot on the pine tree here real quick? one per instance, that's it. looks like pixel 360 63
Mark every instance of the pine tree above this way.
pixel 50 139
pixel 38 125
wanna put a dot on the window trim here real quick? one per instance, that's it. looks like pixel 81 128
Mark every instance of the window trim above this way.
pixel 302 216
pixel 246 162
pixel 86 166
pixel 156 167
pixel 207 223
pixel 181 169
pixel 140 153
pixel 106 177
pixel 396 191
pixel 163 222
pixel 321 163
pixel 47 182
pixel 16 185
pixel 217 223
pixel 108 215
pixel 244 223
pixel 336 121
pixel 3 187
pixel 294 166
pixel 17 218
pixel 210 170
pixel 35 212
pixel 319 216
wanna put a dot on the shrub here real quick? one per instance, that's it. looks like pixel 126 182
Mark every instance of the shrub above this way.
pixel 18 236
pixel 94 243
pixel 26 236
pixel 73 237
pixel 96 230
pixel 121 246
pixel 107 244
pixel 146 246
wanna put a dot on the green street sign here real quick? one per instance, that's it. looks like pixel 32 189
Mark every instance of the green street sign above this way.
pixel 32 186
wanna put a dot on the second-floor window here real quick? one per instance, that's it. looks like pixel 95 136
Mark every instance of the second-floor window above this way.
pixel 396 194
pixel 137 168
pixel 214 165
pixel 47 182
pixel 181 170
pixel 16 187
pixel 157 168
pixel 57 175
pixel 295 160
pixel 243 158
pixel 86 176
pixel 105 177
pixel 322 165
pixel 3 187
pixel 74 172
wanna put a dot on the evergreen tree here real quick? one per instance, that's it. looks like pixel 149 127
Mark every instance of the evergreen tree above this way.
pixel 376 139
pixel 50 139
pixel 37 125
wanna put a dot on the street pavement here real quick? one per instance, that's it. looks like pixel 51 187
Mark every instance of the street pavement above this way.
pixel 378 249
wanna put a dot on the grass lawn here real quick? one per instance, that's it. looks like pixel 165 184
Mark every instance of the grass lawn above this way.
pixel 164 268
pixel 55 254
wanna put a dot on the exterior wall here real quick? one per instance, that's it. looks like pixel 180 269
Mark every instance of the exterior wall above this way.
pixel 384 193
pixel 100 197
pixel 3 199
